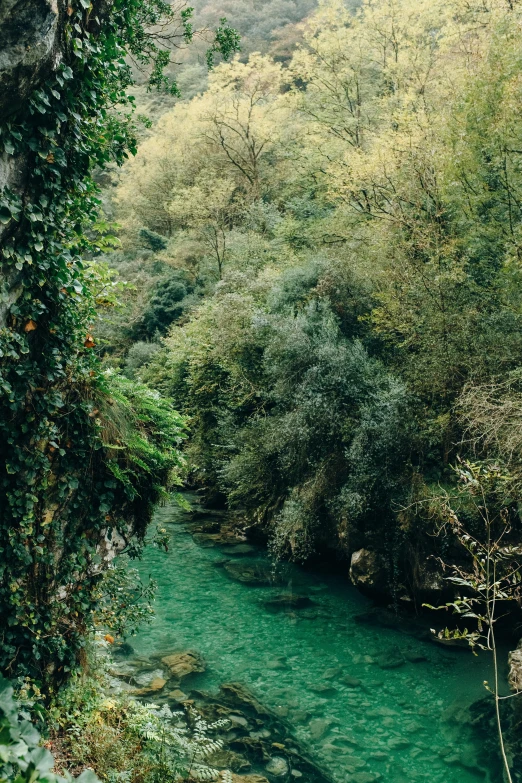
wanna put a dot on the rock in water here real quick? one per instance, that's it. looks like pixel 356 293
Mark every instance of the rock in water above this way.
pixel 277 766
pixel 235 693
pixel 178 695
pixel 351 682
pixel 253 574
pixel 319 727
pixel 181 664
pixel 287 601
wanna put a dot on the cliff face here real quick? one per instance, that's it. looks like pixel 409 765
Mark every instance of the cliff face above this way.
pixel 29 51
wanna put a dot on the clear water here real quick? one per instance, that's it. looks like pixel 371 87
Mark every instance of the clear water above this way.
pixel 406 724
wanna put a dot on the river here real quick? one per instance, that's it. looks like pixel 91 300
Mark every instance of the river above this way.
pixel 368 701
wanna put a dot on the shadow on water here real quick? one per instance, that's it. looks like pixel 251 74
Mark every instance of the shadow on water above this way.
pixel 367 697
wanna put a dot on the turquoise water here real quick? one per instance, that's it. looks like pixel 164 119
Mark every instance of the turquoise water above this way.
pixel 409 723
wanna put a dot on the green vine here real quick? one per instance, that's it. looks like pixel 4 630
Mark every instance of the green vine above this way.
pixel 83 456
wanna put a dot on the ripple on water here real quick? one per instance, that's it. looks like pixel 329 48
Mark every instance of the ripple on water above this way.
pixel 370 701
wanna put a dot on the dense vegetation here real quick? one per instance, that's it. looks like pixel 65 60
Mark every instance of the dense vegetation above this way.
pixel 345 225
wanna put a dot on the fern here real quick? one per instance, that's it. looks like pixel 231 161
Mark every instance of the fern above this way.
pixel 171 742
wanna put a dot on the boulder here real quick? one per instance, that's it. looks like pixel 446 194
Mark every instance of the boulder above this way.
pixel 181 664
pixel 368 571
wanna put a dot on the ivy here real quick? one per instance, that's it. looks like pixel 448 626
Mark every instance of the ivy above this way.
pixel 83 457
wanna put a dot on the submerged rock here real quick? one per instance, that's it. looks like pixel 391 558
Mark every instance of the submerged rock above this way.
pixel 181 664
pixel 277 766
pixel 123 650
pixel 322 689
pixel 351 682
pixel 256 574
pixel 178 695
pixel 287 601
pixel 319 727
pixel 239 549
pixel 237 694
pixel 332 673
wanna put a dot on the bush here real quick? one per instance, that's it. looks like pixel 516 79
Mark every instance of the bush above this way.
pixel 140 354
pixel 22 759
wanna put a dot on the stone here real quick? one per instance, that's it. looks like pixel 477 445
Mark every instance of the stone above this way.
pixel 181 664
pixel 227 759
pixel 261 734
pixel 398 743
pixel 178 695
pixel 355 762
pixel 238 720
pixel 239 549
pixel 281 710
pixel 378 755
pixel 322 689
pixel 351 682
pixel 277 663
pixel 277 766
pixel 296 774
pixel 346 740
pixel 287 601
pixel 365 777
pixel 414 657
pixel 390 661
pixel 319 727
pixel 157 684
pixel 145 678
pixel 237 694
pixel 255 575
pixel 332 673
pixel 300 716
pixel 368 572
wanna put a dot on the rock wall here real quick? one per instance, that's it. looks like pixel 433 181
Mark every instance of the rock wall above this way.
pixel 29 51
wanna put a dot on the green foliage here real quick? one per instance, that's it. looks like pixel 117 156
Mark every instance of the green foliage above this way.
pixel 154 241
pixel 22 759
pixel 139 355
pixel 168 303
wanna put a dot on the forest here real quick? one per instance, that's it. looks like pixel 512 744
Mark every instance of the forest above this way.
pixel 261 391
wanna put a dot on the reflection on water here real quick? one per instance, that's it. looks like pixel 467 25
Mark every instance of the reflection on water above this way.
pixel 368 701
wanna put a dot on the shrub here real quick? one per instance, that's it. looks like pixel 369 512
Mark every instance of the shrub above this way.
pixel 22 759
